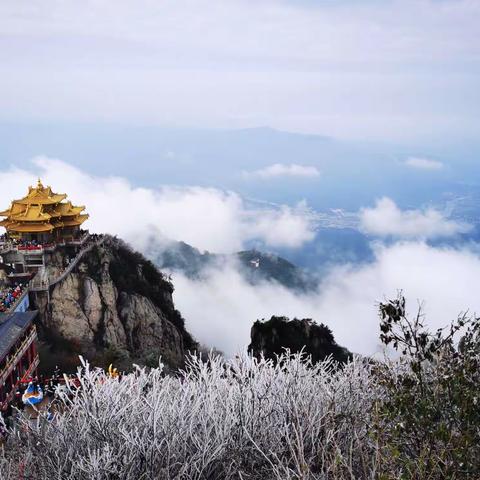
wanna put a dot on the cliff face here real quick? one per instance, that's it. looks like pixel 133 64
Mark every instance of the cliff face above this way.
pixel 114 306
pixel 271 338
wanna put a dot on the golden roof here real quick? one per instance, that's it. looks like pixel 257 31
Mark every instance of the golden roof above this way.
pixel 72 222
pixel 32 213
pixel 42 210
pixel 67 210
pixel 41 195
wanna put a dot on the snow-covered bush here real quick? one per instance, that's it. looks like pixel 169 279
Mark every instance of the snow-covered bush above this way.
pixel 413 417
pixel 242 419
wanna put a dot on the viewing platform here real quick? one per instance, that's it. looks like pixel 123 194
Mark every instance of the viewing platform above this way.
pixel 26 258
pixel 7 246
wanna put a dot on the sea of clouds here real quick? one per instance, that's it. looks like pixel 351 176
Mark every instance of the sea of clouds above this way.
pixel 220 309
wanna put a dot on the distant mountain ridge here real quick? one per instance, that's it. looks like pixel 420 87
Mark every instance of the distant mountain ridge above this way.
pixel 354 173
pixel 253 265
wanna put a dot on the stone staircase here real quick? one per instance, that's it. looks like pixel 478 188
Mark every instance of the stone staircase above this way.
pixel 41 286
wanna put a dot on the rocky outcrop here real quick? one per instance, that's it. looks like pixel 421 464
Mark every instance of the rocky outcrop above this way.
pixel 273 337
pixel 114 306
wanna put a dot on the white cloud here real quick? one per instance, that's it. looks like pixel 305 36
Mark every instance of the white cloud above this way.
pixel 347 299
pixel 424 163
pixel 207 218
pixel 220 310
pixel 284 227
pixel 386 219
pixel 281 170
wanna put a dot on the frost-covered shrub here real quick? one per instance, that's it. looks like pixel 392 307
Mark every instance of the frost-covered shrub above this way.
pixel 412 418
pixel 242 419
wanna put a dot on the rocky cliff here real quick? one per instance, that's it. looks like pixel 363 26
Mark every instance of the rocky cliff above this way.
pixel 272 337
pixel 114 306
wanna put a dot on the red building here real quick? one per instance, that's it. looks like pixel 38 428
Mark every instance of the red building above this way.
pixel 18 353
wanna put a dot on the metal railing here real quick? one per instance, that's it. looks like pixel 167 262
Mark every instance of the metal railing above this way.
pixel 17 301
pixel 6 247
pixel 13 359
pixel 9 397
pixel 44 286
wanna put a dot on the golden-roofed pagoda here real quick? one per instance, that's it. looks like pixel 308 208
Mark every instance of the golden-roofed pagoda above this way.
pixel 42 216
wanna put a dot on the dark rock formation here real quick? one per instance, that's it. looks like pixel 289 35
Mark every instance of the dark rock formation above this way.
pixel 114 306
pixel 274 336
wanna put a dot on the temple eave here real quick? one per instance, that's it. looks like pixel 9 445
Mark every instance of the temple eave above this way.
pixel 73 212
pixel 22 228
pixel 44 217
pixel 72 222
